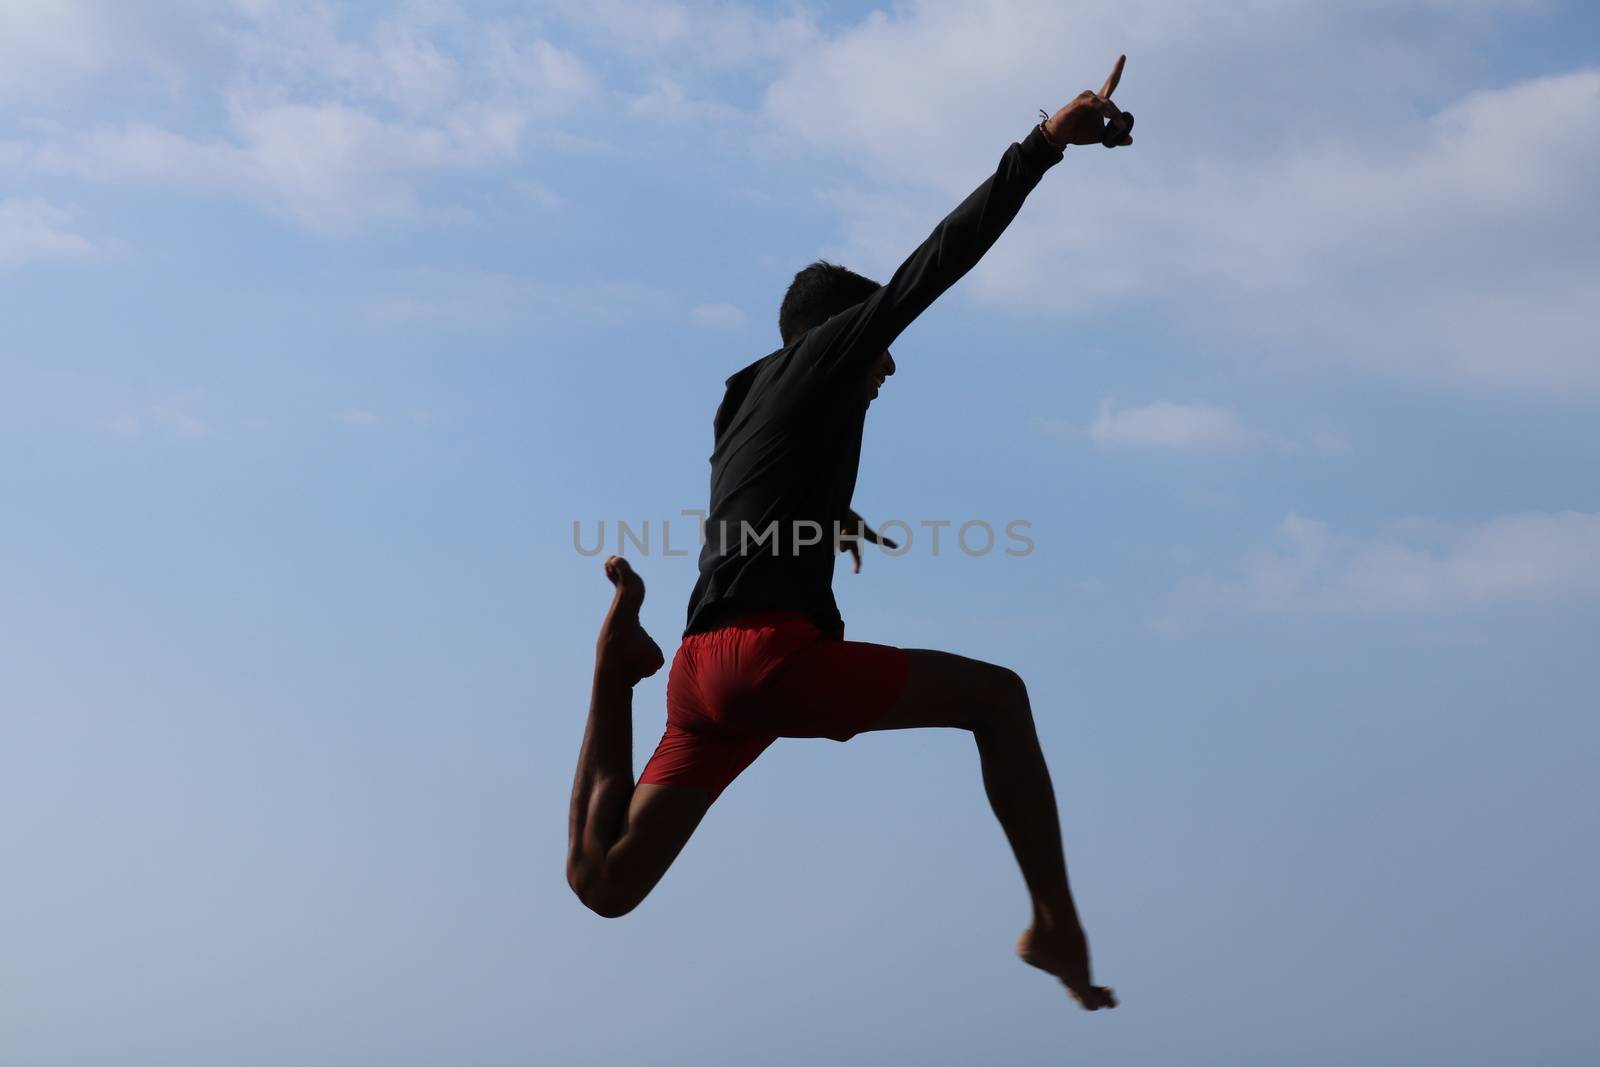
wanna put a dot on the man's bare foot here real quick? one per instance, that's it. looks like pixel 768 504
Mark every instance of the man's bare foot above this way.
pixel 1065 954
pixel 623 647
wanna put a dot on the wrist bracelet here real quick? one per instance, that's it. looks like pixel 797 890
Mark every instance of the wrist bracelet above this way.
pixel 1046 136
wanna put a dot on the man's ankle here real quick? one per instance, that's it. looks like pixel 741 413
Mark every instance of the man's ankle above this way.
pixel 1056 918
pixel 611 674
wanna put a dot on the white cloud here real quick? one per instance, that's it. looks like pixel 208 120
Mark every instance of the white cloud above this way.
pixel 1195 427
pixel 329 127
pixel 1164 424
pixel 1451 241
pixel 1534 557
pixel 720 316
pixel 41 40
pixel 55 48
pixel 477 300
pixel 664 100
pixel 551 79
pixel 359 417
pixel 173 416
pixel 327 166
pixel 712 36
pixel 180 422
pixel 33 229
pixel 539 193
pixel 667 100
pixel 1324 442
pixel 421 58
pixel 629 26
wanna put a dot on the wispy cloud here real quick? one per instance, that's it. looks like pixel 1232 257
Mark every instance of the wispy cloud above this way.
pixel 1164 424
pixel 1187 427
pixel 51 49
pixel 720 316
pixel 539 193
pixel 476 299
pixel 329 167
pixel 358 417
pixel 329 128
pixel 180 422
pixel 693 34
pixel 32 229
pixel 174 416
pixel 1421 568
pixel 667 99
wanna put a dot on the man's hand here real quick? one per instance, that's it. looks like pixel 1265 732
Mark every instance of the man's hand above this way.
pixel 854 530
pixel 1092 118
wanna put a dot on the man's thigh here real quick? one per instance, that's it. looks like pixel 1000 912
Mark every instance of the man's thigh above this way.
pixel 829 688
pixel 944 689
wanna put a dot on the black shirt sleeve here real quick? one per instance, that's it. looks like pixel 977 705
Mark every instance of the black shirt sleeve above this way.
pixel 847 341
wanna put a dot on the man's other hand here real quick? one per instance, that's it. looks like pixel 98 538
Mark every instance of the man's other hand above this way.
pixel 854 530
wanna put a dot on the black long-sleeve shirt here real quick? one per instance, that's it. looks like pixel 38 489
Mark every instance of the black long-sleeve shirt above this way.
pixel 788 432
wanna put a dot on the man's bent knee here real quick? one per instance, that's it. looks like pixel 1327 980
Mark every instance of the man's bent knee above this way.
pixel 944 689
pixel 1003 689
pixel 1005 705
pixel 610 905
pixel 1012 690
pixel 603 895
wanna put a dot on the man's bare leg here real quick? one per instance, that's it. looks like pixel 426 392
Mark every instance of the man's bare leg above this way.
pixel 948 690
pixel 622 837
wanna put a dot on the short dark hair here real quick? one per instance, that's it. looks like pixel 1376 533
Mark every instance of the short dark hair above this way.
pixel 818 293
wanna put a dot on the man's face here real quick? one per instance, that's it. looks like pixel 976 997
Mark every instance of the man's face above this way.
pixel 880 370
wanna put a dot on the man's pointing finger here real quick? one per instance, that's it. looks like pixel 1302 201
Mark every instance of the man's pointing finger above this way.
pixel 1115 76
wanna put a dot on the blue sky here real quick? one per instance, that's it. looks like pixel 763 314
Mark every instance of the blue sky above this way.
pixel 325 323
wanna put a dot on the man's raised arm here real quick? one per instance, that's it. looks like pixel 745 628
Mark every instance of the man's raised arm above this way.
pixel 854 336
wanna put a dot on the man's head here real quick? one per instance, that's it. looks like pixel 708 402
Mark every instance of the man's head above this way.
pixel 819 292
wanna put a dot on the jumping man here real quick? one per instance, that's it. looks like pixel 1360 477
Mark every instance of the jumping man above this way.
pixel 763 653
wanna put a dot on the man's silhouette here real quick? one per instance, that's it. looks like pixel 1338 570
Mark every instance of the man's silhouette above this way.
pixel 763 653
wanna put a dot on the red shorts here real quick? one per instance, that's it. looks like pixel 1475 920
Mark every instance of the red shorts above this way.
pixel 734 690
